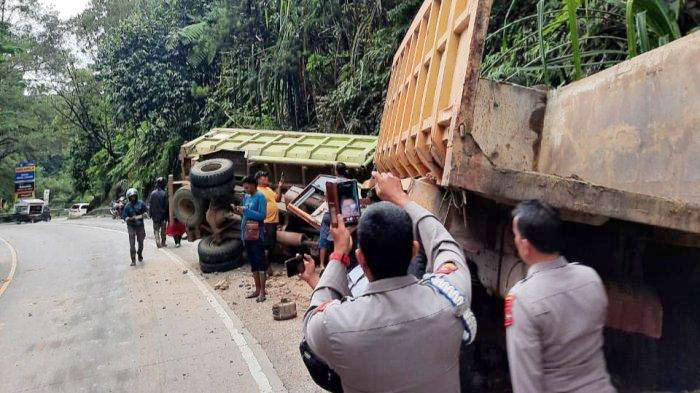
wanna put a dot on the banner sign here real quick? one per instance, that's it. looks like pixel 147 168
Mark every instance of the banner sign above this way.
pixel 25 175
pixel 24 189
pixel 47 192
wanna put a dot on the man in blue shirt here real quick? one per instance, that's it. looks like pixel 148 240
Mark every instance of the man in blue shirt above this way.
pixel 133 215
pixel 253 212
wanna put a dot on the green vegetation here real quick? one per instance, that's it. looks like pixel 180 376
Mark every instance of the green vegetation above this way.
pixel 554 42
pixel 151 74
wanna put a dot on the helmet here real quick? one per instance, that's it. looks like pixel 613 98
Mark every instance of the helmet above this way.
pixel 130 192
pixel 160 182
pixel 260 174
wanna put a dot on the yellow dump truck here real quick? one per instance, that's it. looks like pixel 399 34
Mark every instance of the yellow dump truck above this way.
pixel 617 152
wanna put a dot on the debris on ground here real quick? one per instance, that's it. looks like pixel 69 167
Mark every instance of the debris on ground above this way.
pixel 185 271
pixel 222 285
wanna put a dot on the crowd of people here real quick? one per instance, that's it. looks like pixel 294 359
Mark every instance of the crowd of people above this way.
pixel 372 326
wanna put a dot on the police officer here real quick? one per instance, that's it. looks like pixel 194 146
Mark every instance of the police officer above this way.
pixel 158 210
pixel 402 334
pixel 554 317
pixel 133 215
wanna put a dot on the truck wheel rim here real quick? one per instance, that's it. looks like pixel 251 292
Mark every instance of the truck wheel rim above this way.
pixel 211 167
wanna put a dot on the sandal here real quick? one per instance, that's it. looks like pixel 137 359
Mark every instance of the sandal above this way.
pixel 261 299
pixel 252 295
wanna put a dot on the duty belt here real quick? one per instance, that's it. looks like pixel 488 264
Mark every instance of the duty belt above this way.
pixel 455 297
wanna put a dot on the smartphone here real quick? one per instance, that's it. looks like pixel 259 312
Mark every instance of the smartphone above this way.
pixel 294 265
pixel 343 198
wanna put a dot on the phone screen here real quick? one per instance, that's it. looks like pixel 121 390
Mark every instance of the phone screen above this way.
pixel 349 202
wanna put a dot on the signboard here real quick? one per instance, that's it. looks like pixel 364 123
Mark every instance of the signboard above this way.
pixel 47 193
pixel 25 173
pixel 24 189
pixel 24 177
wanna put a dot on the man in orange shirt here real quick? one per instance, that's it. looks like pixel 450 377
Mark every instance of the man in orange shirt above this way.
pixel 272 218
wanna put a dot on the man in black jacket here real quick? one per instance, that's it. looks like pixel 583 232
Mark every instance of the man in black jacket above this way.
pixel 158 210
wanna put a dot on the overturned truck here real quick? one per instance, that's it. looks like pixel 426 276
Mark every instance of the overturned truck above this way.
pixel 213 164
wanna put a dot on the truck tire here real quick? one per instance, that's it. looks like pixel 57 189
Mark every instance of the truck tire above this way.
pixel 215 254
pixel 212 172
pixel 218 267
pixel 188 209
pixel 215 192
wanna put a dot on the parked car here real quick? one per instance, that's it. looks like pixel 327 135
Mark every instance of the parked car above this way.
pixel 78 210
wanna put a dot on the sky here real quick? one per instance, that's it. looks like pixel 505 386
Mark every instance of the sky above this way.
pixel 66 8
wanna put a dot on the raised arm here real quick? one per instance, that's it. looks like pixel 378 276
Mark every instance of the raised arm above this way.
pixel 444 254
pixel 331 288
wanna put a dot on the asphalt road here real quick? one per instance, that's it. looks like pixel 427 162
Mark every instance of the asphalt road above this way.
pixel 76 317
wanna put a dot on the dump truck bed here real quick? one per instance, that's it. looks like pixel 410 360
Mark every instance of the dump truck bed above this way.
pixel 302 148
pixel 621 143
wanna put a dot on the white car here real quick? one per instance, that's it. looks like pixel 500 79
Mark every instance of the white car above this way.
pixel 78 210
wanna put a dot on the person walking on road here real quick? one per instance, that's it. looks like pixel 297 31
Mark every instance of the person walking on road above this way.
pixel 402 334
pixel 158 210
pixel 133 215
pixel 555 316
pixel 272 218
pixel 253 212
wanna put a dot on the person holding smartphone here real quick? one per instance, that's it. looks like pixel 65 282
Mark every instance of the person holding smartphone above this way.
pixel 401 334
pixel 253 212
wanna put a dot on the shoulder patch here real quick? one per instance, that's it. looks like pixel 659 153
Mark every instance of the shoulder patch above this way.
pixel 508 314
pixel 447 268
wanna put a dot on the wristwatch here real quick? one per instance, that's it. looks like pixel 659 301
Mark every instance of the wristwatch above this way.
pixel 342 258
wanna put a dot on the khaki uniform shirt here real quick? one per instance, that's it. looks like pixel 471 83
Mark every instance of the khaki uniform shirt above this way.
pixel 554 330
pixel 399 336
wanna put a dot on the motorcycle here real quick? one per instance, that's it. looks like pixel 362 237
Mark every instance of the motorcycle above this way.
pixel 116 209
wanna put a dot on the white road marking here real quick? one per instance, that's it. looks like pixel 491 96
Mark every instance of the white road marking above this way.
pixel 11 274
pixel 250 359
pixel 243 346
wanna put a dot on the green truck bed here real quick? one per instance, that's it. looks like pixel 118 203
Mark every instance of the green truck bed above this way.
pixel 285 147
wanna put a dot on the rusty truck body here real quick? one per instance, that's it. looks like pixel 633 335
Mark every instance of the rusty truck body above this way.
pixel 617 152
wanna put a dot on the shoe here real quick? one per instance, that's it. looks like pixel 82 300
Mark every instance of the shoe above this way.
pixel 177 245
pixel 159 246
pixel 252 295
pixel 140 258
pixel 133 263
pixel 261 299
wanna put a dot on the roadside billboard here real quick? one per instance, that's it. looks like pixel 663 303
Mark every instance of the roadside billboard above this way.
pixel 25 176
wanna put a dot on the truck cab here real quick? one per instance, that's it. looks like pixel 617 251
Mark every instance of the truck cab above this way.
pixel 29 210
